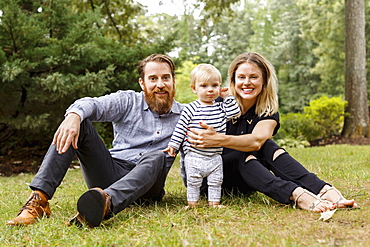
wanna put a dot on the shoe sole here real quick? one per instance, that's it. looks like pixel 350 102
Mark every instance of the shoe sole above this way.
pixel 91 206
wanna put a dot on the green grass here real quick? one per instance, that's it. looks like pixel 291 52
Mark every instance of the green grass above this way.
pixel 253 221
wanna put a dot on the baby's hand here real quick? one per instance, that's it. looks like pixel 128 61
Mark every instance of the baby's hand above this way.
pixel 170 150
pixel 224 92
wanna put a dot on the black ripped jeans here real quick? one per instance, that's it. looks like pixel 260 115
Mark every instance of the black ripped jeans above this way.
pixel 275 178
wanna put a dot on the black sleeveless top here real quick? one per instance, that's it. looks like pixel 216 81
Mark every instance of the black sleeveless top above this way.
pixel 245 125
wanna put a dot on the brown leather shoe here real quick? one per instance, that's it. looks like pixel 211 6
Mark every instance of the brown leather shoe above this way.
pixel 94 206
pixel 36 207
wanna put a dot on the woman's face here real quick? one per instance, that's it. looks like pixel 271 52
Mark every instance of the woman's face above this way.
pixel 248 82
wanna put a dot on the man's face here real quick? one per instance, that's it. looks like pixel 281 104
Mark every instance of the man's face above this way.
pixel 158 86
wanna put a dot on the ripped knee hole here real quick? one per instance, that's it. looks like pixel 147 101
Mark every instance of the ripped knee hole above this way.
pixel 250 157
pixel 277 153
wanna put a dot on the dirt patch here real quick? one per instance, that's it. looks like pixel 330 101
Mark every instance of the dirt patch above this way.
pixel 28 160
pixel 339 140
pixel 23 160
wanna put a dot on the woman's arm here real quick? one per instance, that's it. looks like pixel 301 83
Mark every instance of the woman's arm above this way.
pixel 245 143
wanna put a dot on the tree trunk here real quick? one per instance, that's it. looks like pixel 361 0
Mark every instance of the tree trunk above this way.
pixel 356 122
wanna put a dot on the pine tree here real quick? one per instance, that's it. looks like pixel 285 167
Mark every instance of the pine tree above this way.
pixel 52 55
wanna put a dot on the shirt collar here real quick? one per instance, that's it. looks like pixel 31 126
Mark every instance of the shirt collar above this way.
pixel 250 112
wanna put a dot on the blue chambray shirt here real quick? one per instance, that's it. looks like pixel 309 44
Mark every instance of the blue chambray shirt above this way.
pixel 137 130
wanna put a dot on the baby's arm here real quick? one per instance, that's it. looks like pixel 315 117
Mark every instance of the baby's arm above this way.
pixel 179 133
pixel 231 107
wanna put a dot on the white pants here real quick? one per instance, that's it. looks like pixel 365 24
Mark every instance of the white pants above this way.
pixel 197 167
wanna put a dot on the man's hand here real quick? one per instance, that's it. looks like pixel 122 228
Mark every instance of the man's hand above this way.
pixel 67 133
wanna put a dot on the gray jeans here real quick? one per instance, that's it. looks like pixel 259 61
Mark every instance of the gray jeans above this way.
pixel 199 166
pixel 123 180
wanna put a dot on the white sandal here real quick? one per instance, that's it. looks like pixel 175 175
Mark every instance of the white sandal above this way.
pixel 340 199
pixel 314 204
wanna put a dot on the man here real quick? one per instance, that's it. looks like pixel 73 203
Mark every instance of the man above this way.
pixel 134 169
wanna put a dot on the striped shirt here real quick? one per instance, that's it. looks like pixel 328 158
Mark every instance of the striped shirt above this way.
pixel 214 115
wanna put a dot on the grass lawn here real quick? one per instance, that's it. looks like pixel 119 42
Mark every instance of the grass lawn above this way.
pixel 253 221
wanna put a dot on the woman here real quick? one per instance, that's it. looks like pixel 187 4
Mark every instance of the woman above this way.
pixel 249 155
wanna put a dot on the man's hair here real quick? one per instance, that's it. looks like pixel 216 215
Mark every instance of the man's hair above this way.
pixel 156 58
pixel 267 101
pixel 202 73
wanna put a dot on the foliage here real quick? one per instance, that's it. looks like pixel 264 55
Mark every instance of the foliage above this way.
pixel 53 52
pixel 297 127
pixel 327 113
pixel 51 55
pixel 292 143
pixel 323 23
pixel 291 56
pixel 184 94
pixel 323 118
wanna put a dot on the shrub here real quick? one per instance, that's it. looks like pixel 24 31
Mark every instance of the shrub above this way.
pixel 298 126
pixel 328 114
pixel 323 118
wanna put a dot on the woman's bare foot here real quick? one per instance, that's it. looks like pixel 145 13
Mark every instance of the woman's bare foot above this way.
pixel 309 201
pixel 330 193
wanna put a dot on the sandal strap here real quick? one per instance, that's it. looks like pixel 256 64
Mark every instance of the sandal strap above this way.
pixel 296 199
pixel 314 204
pixel 335 189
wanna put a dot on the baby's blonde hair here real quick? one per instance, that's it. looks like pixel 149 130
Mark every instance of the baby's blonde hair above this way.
pixel 202 73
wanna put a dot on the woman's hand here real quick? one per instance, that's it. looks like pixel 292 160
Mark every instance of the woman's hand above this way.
pixel 245 143
pixel 67 133
pixel 205 138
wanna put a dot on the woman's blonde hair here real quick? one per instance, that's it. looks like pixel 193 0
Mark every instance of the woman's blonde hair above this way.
pixel 267 101
pixel 203 72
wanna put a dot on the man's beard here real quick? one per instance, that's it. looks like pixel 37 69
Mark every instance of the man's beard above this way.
pixel 160 106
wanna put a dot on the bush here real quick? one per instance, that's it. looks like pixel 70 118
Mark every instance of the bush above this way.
pixel 292 143
pixel 323 118
pixel 298 126
pixel 328 114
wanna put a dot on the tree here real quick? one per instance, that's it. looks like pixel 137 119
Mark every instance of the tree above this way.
pixel 184 93
pixel 50 55
pixel 322 22
pixel 291 54
pixel 357 123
